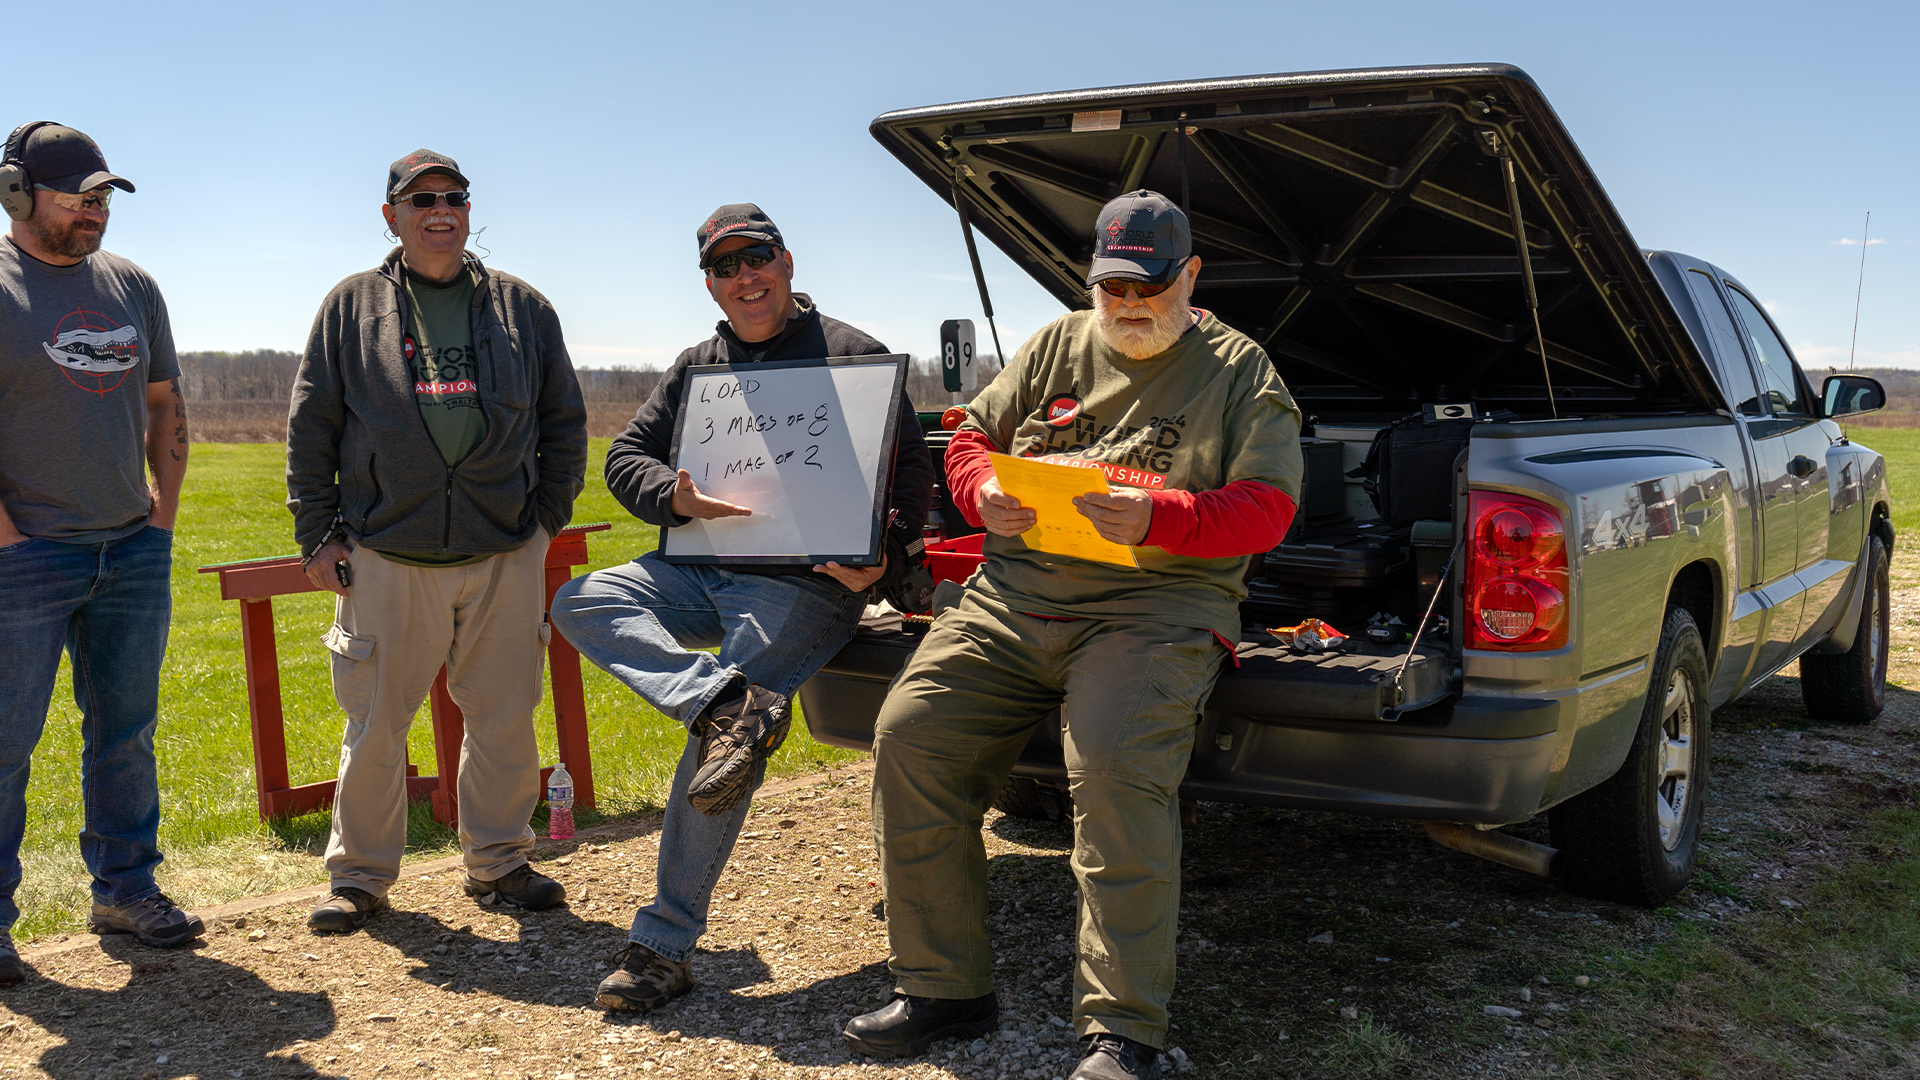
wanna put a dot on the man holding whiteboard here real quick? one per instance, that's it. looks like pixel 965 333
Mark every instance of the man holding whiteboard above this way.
pixel 1200 445
pixel 649 622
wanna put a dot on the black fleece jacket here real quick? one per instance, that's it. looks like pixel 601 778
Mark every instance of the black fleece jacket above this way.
pixel 356 445
pixel 638 472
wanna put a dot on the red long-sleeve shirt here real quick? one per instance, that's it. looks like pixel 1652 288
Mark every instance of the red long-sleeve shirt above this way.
pixel 1243 518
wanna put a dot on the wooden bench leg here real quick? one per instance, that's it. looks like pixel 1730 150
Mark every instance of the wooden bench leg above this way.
pixel 449 730
pixel 569 701
pixel 263 704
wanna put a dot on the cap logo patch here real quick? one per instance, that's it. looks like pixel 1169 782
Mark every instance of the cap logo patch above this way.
pixel 1061 409
pixel 1114 229
pixel 1128 239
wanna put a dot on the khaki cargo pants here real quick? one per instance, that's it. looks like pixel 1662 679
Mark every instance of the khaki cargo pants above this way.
pixel 391 633
pixel 953 725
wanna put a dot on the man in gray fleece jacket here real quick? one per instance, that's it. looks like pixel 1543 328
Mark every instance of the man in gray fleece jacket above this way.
pixel 435 444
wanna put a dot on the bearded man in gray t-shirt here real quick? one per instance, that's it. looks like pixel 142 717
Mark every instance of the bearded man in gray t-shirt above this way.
pixel 89 387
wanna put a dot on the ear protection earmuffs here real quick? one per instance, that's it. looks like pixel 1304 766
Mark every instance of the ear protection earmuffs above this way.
pixel 16 187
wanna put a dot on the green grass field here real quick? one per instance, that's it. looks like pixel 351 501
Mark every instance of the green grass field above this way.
pixel 1901 448
pixel 217 847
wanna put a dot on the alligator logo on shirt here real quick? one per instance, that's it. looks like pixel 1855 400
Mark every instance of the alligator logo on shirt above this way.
pixel 93 350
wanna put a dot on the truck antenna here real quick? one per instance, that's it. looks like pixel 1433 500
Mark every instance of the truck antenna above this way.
pixel 1858 286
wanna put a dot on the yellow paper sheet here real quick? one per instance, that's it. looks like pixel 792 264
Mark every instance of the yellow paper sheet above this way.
pixel 1048 490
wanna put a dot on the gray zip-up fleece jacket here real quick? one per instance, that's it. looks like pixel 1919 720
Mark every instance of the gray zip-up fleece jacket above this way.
pixel 356 444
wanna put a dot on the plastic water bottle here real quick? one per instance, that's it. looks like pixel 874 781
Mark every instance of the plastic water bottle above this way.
pixel 560 803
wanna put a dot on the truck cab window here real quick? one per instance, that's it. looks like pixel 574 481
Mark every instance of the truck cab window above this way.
pixel 1776 363
pixel 1732 367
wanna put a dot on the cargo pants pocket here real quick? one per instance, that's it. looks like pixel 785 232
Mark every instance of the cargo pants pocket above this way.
pixel 354 672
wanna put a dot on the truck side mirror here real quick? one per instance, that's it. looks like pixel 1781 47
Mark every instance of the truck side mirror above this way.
pixel 1845 395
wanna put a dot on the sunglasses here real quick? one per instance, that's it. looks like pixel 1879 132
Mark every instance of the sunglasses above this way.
pixel 424 200
pixel 86 200
pixel 755 256
pixel 1119 286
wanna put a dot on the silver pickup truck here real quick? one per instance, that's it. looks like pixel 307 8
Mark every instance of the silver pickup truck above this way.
pixel 1564 496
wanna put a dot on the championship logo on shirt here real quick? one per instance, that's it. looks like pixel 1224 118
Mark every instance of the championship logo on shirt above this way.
pixel 95 354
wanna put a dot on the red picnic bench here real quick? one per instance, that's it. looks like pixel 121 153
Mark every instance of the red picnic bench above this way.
pixel 256 582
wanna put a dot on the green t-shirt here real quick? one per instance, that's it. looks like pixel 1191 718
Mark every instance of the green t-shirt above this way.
pixel 439 348
pixel 439 352
pixel 1207 412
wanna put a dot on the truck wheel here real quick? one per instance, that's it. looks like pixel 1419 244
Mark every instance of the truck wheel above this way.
pixel 1632 838
pixel 1036 800
pixel 1851 687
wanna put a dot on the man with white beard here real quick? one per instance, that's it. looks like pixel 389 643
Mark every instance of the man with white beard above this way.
pixel 1200 443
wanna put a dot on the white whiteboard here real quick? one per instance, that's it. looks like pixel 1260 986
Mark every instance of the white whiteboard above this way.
pixel 807 445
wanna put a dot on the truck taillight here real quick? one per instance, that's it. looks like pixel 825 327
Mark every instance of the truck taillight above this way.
pixel 1516 582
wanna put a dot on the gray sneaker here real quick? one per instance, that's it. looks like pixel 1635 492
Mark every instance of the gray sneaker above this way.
pixel 737 736
pixel 155 921
pixel 644 981
pixel 12 971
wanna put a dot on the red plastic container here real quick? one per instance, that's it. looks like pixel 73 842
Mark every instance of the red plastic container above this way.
pixel 957 559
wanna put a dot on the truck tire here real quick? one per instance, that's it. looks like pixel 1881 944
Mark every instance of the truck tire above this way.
pixel 1035 800
pixel 1851 687
pixel 1633 837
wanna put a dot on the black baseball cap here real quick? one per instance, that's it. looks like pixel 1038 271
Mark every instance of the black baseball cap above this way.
pixel 60 158
pixel 417 164
pixel 1140 236
pixel 736 219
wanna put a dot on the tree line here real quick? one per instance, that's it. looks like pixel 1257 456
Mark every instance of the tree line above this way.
pixel 266 375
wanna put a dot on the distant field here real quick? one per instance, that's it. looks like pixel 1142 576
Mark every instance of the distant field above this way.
pixel 217 848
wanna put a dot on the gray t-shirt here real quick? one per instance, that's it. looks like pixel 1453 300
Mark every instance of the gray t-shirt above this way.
pixel 78 346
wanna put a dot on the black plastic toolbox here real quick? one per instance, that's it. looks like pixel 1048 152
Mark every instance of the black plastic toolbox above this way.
pixel 1342 574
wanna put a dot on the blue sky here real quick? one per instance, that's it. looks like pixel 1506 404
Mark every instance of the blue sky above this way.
pixel 597 136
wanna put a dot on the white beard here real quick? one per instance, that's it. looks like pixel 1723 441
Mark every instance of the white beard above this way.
pixel 1170 320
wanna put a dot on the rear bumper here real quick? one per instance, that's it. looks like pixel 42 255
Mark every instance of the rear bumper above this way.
pixel 1478 760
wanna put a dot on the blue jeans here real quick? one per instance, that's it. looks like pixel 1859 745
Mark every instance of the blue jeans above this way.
pixel 109 605
pixel 639 622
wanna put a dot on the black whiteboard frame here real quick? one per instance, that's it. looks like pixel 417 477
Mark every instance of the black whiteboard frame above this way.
pixel 882 477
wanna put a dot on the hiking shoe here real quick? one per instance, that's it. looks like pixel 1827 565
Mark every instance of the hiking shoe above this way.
pixel 737 735
pixel 523 886
pixel 1116 1057
pixel 644 981
pixel 154 921
pixel 347 910
pixel 907 1025
pixel 12 971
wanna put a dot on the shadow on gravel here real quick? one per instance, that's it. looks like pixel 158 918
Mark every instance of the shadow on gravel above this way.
pixel 461 961
pixel 225 1020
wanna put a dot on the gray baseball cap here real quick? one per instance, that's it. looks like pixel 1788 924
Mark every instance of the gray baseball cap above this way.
pixel 1140 236
pixel 735 219
pixel 417 164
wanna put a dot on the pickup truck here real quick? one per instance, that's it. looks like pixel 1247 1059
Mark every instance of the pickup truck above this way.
pixel 1648 511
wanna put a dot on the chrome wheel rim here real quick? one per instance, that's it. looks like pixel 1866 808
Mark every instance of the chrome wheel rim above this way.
pixel 1877 628
pixel 1673 785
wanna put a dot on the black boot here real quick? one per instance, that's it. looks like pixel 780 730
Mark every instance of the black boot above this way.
pixel 907 1025
pixel 1116 1057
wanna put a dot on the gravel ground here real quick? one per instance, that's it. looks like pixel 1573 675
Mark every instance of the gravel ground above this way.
pixel 1312 945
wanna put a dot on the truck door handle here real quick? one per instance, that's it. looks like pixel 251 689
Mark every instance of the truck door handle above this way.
pixel 1802 466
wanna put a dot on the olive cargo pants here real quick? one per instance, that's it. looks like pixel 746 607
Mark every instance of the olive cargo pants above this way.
pixel 947 738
